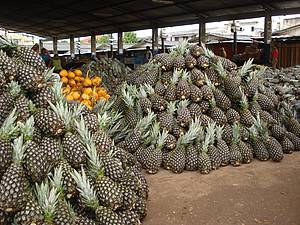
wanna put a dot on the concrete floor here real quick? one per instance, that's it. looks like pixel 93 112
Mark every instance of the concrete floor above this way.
pixel 266 193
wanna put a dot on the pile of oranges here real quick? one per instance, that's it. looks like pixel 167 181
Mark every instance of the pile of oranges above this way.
pixel 82 88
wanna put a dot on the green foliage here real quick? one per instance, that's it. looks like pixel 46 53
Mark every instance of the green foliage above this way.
pixel 130 37
pixel 102 39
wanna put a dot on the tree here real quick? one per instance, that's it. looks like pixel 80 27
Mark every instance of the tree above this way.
pixel 130 38
pixel 102 39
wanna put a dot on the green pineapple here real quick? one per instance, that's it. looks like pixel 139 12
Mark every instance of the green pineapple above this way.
pixel 43 96
pixel 196 50
pixel 151 75
pixel 227 133
pixel 290 120
pixel 144 101
pixel 265 102
pixel 177 157
pixel 232 116
pixel 213 151
pixel 195 110
pixel 196 93
pixel 178 54
pixel 190 61
pixel 183 114
pixel 7 66
pixel 68 184
pixel 130 217
pixel 192 153
pixel 222 147
pixel 260 150
pixel 29 78
pixel 170 94
pixel 202 62
pixel 158 102
pixel 166 76
pixel 252 82
pixel 295 140
pixel 130 114
pixel 216 113
pixel 88 193
pixel 204 105
pixel 287 145
pixel 246 117
pixel 213 76
pixel 7 133
pixel 205 165
pixel 183 88
pixel 197 77
pixel 52 148
pixel 166 118
pixel 235 154
pixel 165 60
pixel 277 131
pixel 14 185
pixel 207 93
pixel 170 142
pixel 6 105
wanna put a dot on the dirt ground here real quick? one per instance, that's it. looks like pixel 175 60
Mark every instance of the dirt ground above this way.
pixel 266 193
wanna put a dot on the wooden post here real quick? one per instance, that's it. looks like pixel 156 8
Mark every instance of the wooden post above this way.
pixel 93 45
pixel 72 46
pixel 267 36
pixel 55 50
pixel 155 40
pixel 41 44
pixel 201 32
pixel 120 44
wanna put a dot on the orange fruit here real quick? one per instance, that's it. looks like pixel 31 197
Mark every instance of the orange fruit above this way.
pixel 87 82
pixel 85 96
pixel 71 75
pixel 87 91
pixel 72 83
pixel 79 79
pixel 88 103
pixel 63 73
pixel 96 81
pixel 69 97
pixel 75 95
pixel 64 80
pixel 78 72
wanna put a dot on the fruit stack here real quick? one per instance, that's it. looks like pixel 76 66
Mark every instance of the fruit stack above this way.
pixel 209 113
pixel 59 164
pixel 82 88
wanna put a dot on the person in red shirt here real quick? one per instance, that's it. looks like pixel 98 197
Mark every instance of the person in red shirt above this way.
pixel 275 56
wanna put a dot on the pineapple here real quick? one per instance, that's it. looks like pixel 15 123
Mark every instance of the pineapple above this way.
pixel 130 217
pixel 252 83
pixel 213 75
pixel 130 114
pixel 129 198
pixel 216 113
pixel 165 60
pixel 246 152
pixel 51 147
pixel 196 50
pixel 183 114
pixel 260 150
pixel 43 96
pixel 7 66
pixel 227 133
pixel 7 133
pixel 144 101
pixel 170 94
pixel 246 117
pixel 158 102
pixel 166 118
pixel 265 102
pixel 294 139
pixel 196 93
pixel 190 61
pixel 204 106
pixel 197 77
pixel 213 152
pixel 287 145
pixel 205 165
pixel 178 131
pixel 112 166
pixel 178 54
pixel 195 110
pixel 150 76
pixel 14 185
pixel 183 88
pixel 6 105
pixel 235 154
pixel 68 183
pixel 170 142
pixel 141 208
pixel 222 147
pixel 29 78
pixel 89 195
pixel 202 62
pixel 177 156
pixel 193 153
pixel 166 76
pixel 207 93
pixel 90 120
pixel 277 131
pixel 232 116
pixel 290 121
pixel 31 213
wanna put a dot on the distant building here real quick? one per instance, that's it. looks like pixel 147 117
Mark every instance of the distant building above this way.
pixel 19 38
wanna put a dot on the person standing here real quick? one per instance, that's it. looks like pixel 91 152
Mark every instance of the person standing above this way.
pixel 56 63
pixel 275 56
pixel 46 56
pixel 223 52
pixel 148 54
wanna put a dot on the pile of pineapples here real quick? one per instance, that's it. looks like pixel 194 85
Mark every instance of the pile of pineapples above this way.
pixel 208 113
pixel 58 160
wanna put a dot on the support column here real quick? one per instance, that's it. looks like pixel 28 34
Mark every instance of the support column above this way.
pixel 201 32
pixel 111 47
pixel 93 45
pixel 55 50
pixel 72 46
pixel 41 44
pixel 267 36
pixel 235 42
pixel 155 40
pixel 120 44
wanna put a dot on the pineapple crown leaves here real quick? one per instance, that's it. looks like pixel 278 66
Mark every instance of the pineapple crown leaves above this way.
pixel 162 136
pixel 210 131
pixel 175 76
pixel 149 89
pixel 208 81
pixel 84 133
pixel 49 77
pixel 142 92
pixel 95 163
pixel 181 49
pixel 146 121
pixel 47 199
pixel 206 142
pixel 246 68
pixel 31 106
pixel 14 88
pixel 18 149
pixel 244 102
pixel 171 107
pixel 207 52
pixel 253 132
pixel 57 90
pixel 183 104
pixel 128 98
pixel 154 133
pixel 66 114
pixel 104 121
pixel 85 189
pixel 220 69
pixel 9 129
pixel 56 180
pixel 185 74
pixel 260 126
pixel 219 132
pixel 103 105
pixel 27 128
pixel 191 134
pixel 235 133
pixel 212 102
pixel 261 71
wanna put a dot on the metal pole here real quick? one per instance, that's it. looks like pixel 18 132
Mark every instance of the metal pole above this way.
pixel 201 38
pixel 235 42
pixel 155 40
pixel 120 44
pixel 55 50
pixel 72 47
pixel 112 47
pixel 93 45
pixel 267 36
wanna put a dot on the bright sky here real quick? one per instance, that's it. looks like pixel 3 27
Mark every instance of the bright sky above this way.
pixel 145 33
